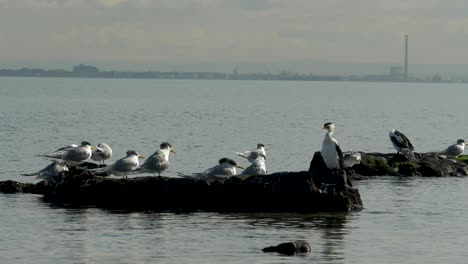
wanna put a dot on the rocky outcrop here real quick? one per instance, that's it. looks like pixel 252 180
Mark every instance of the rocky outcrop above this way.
pixel 10 186
pixel 278 192
pixel 418 164
pixel 290 248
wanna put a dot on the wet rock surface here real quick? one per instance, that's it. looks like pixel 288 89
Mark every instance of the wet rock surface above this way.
pixel 290 248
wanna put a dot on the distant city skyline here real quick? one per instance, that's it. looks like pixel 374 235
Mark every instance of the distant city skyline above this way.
pixel 395 74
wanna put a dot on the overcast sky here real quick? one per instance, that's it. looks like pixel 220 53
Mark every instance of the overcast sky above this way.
pixel 148 32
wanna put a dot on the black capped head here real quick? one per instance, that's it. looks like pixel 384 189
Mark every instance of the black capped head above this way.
pixel 260 145
pixel 165 145
pixel 131 153
pixel 85 143
pixel 460 141
pixel 227 160
pixel 329 126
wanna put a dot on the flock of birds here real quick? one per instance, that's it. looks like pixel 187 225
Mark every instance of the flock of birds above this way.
pixel 158 162
pixel 335 159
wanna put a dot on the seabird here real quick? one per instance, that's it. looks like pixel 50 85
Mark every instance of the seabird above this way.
pixel 50 171
pixel 159 161
pixel 400 142
pixel 102 153
pixel 251 155
pixel 331 151
pixel 351 158
pixel 226 167
pixel 258 167
pixel 123 166
pixel 73 155
pixel 455 150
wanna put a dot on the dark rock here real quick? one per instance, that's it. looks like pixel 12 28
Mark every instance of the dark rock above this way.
pixel 290 248
pixel 10 186
pixel 392 164
pixel 278 192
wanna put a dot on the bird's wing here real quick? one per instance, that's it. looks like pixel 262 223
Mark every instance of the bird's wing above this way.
pixel 124 164
pixel 452 150
pixel 250 170
pixel 216 170
pixel 76 154
pixel 244 154
pixel 67 147
pixel 406 142
pixel 340 155
pixel 396 141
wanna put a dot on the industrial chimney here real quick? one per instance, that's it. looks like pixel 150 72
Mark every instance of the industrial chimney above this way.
pixel 406 57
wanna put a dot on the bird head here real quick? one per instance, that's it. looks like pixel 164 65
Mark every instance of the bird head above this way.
pixel 329 126
pixel 166 145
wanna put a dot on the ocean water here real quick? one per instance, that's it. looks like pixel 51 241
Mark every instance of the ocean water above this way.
pixel 406 220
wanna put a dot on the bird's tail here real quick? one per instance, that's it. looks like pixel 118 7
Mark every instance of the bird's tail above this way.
pixel 47 156
pixel 29 174
pixel 96 169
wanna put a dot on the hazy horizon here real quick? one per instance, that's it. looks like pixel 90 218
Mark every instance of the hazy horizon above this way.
pixel 323 37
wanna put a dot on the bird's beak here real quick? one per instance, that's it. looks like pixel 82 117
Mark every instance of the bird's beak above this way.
pixel 141 157
pixel 240 167
pixel 173 151
pixel 93 148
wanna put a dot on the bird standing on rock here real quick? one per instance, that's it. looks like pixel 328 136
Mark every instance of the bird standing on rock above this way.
pixel 225 168
pixel 102 153
pixel 50 171
pixel 73 155
pixel 159 161
pixel 331 151
pixel 400 142
pixel 123 166
pixel 251 155
pixel 455 150
pixel 258 167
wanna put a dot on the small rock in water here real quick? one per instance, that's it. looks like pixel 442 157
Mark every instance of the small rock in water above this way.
pixel 290 248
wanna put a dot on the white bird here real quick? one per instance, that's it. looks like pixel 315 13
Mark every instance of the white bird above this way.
pixel 455 150
pixel 331 151
pixel 159 161
pixel 225 168
pixel 400 142
pixel 102 153
pixel 123 166
pixel 258 167
pixel 72 155
pixel 251 155
pixel 351 158
pixel 50 171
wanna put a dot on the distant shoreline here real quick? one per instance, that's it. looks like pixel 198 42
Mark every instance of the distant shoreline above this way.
pixel 86 71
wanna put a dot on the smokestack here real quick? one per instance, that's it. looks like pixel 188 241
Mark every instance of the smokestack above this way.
pixel 406 57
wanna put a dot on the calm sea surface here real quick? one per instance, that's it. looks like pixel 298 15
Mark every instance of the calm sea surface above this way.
pixel 406 220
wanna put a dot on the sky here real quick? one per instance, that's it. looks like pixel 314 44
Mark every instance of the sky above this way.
pixel 203 34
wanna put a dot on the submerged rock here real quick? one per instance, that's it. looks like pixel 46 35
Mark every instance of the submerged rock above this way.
pixel 290 248
pixel 10 186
